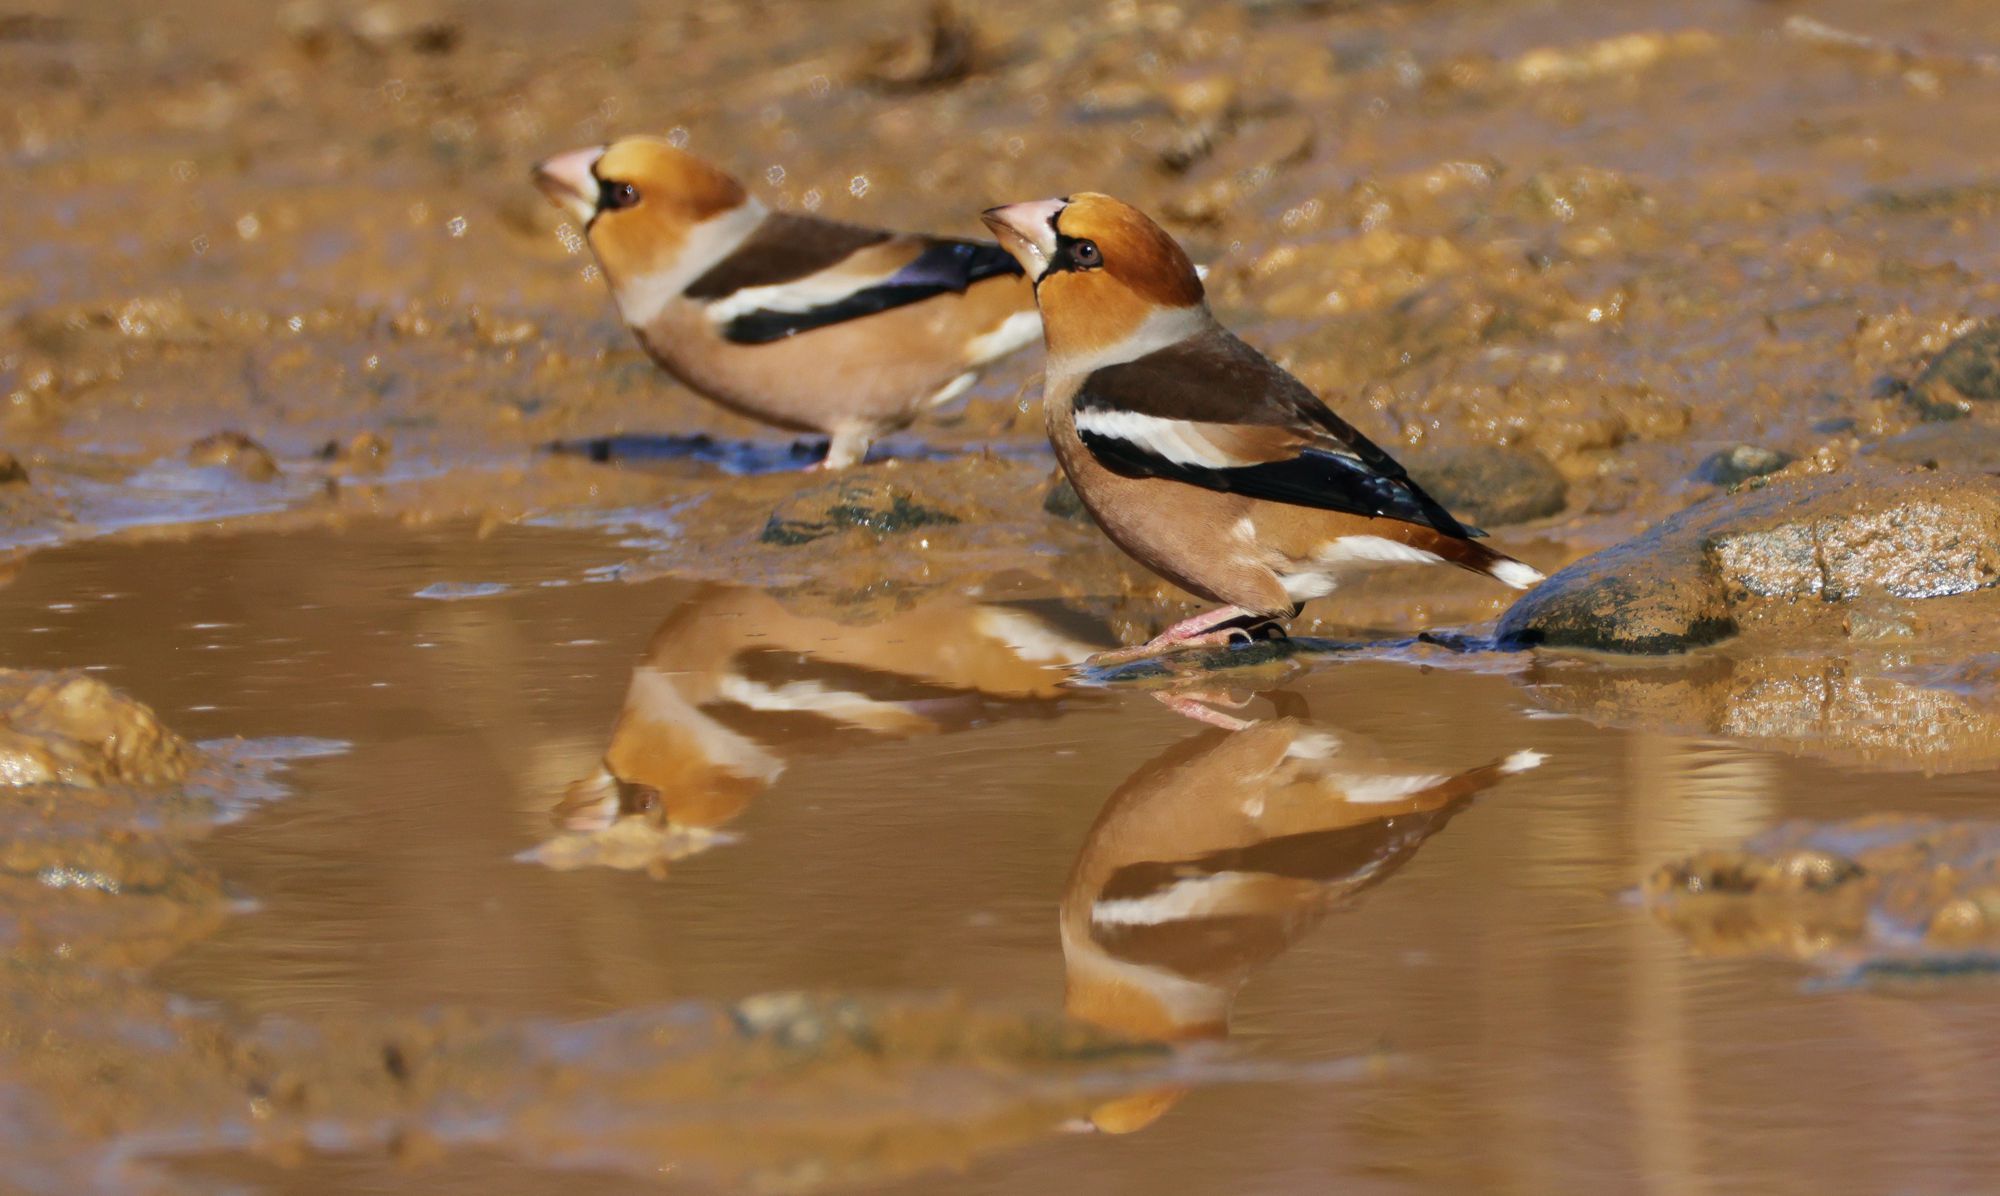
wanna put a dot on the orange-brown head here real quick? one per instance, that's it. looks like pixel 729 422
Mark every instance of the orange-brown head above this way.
pixel 641 202
pixel 1102 270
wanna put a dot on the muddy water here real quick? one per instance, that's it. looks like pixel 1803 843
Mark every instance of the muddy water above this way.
pixel 903 805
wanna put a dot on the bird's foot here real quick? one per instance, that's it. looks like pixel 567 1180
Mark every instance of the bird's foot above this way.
pixel 1199 705
pixel 1164 645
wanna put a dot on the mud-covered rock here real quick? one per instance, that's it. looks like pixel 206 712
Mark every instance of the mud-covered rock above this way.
pixel 1962 378
pixel 72 729
pixel 1738 464
pixel 1829 538
pixel 866 503
pixel 1959 446
pixel 1493 486
pixel 12 472
pixel 1874 891
pixel 235 452
pixel 1060 499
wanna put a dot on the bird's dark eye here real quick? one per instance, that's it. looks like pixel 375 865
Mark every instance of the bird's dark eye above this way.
pixel 613 196
pixel 1085 254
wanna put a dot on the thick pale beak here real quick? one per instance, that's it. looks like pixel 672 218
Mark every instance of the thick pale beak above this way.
pixel 567 181
pixel 1028 231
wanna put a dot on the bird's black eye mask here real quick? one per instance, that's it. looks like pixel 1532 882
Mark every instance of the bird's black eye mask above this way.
pixel 1073 254
pixel 612 195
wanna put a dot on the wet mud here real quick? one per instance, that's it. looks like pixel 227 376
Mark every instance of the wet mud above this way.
pixel 440 754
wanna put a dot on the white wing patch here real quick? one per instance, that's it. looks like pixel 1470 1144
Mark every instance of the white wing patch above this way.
pixel 798 295
pixel 1180 441
pixel 1373 550
pixel 1016 331
pixel 1346 556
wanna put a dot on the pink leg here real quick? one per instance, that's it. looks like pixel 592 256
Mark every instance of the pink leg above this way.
pixel 1194 705
pixel 1199 631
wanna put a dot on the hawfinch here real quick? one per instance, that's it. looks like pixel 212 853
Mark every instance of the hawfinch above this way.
pixel 803 323
pixel 1195 453
pixel 1215 857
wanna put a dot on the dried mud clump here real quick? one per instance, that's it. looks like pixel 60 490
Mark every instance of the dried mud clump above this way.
pixel 1700 576
pixel 235 452
pixel 12 472
pixel 71 729
pixel 1880 890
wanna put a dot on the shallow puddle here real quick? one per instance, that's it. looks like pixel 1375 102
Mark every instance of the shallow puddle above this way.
pixel 1404 896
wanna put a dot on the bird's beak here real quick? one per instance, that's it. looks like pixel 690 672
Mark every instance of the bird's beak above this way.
pixel 1028 231
pixel 568 182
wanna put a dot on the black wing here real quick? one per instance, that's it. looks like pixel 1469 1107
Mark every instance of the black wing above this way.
pixel 800 247
pixel 1311 457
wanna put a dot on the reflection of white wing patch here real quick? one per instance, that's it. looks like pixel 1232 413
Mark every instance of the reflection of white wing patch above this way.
pixel 1194 897
pixel 1029 637
pixel 811 697
pixel 1376 790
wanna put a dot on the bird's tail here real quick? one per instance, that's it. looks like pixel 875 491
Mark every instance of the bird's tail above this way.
pixel 1468 554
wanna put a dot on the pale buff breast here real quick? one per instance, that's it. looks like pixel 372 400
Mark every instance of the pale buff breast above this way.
pixel 1183 533
pixel 875 372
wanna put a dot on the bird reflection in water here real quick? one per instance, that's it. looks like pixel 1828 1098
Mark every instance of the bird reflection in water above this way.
pixel 1216 856
pixel 736 683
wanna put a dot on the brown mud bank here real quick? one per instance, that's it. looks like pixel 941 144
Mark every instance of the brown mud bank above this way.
pixel 1578 258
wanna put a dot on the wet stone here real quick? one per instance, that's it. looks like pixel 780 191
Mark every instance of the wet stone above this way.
pixel 1965 376
pixel 1737 465
pixel 235 452
pixel 1492 486
pixel 1692 580
pixel 879 507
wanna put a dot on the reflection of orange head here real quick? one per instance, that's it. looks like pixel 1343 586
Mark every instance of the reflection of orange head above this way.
pixel 669 760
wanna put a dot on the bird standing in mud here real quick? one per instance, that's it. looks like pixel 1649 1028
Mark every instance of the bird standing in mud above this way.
pixel 804 323
pixel 1197 454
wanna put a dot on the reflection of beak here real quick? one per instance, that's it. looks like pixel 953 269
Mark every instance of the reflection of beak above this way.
pixel 1028 231
pixel 568 182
